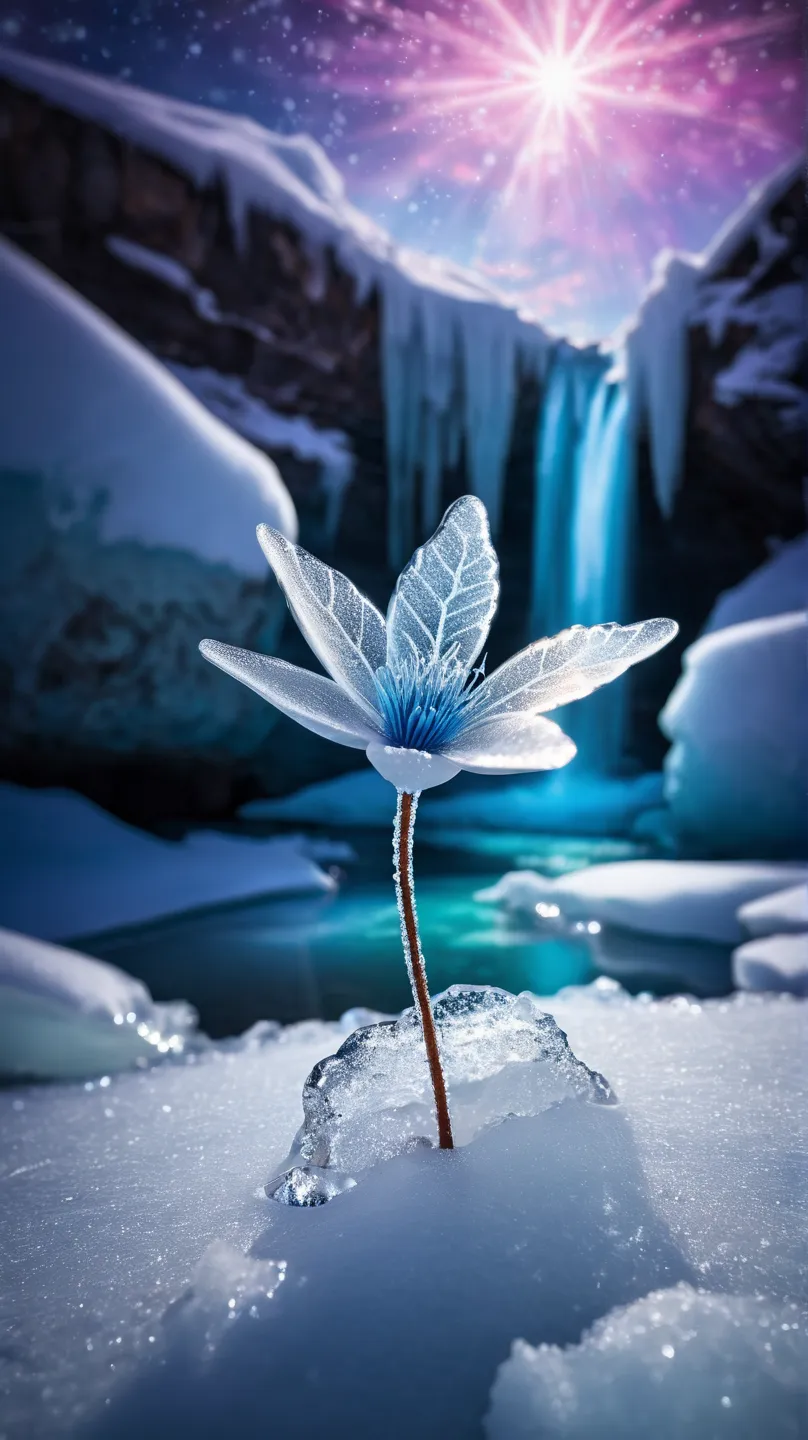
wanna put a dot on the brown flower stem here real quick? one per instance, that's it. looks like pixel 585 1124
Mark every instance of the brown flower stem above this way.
pixel 402 852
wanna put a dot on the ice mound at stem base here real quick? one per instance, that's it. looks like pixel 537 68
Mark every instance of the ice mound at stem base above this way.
pixel 502 1056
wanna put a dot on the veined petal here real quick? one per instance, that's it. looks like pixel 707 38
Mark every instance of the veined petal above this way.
pixel 344 629
pixel 568 666
pixel 510 745
pixel 315 702
pixel 446 597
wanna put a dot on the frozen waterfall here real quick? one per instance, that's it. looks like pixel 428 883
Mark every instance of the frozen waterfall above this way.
pixel 583 516
pixel 451 366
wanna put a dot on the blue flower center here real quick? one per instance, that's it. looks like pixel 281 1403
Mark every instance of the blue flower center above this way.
pixel 424 705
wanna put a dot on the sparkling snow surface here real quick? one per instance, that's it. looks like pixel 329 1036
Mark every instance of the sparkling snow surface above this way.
pixel 679 1363
pixel 101 874
pixel 401 1297
pixel 122 445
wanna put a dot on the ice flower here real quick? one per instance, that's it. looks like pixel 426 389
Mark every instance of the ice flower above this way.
pixel 408 691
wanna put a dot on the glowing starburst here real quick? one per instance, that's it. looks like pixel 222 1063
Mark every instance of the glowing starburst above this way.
pixel 562 111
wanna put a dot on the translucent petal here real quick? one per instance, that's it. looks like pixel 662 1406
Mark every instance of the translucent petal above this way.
pixel 345 631
pixel 510 745
pixel 312 700
pixel 568 666
pixel 446 597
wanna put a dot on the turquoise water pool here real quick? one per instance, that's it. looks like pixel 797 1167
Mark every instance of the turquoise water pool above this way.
pixel 317 956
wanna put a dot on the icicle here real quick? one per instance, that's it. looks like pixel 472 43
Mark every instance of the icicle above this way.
pixel 658 370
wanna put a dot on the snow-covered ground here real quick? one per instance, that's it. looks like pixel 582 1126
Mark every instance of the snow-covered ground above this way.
pixel 130 1208
pixel 68 868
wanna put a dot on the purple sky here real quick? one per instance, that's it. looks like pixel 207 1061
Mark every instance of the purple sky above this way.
pixel 556 145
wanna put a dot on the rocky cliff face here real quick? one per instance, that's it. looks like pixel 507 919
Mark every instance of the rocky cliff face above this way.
pixel 161 253
pixel 743 474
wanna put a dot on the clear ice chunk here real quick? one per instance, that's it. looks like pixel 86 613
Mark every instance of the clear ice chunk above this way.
pixel 502 1056
pixel 308 1185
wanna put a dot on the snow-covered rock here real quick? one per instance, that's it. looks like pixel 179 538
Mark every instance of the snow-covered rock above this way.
pixel 678 1362
pixel 696 900
pixel 67 868
pixel 780 587
pixel 65 1016
pixel 736 777
pixel 402 1296
pixel 785 912
pixel 775 962
pixel 128 520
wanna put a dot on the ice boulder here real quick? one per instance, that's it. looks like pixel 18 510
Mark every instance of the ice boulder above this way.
pixel 777 962
pixel 783 913
pixel 502 1057
pixel 65 1016
pixel 736 778
pixel 684 899
pixel 678 1362
pixel 128 532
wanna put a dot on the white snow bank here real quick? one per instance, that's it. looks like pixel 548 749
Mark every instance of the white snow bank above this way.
pixel 407 1291
pixel 68 868
pixel 121 445
pixel 776 962
pixel 779 587
pixel 695 900
pixel 66 1016
pixel 736 778
pixel 784 912
pixel 678 1362
pixel 451 348
pixel 227 398
pixel 578 805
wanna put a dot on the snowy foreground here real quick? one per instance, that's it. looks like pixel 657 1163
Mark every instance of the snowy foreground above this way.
pixel 579 1268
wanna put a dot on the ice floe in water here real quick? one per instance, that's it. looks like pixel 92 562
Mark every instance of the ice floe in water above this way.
pixel 678 1362
pixel 502 1056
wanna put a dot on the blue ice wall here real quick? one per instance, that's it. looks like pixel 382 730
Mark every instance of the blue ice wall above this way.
pixel 583 524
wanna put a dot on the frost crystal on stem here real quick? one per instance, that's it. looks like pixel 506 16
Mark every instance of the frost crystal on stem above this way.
pixel 406 808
